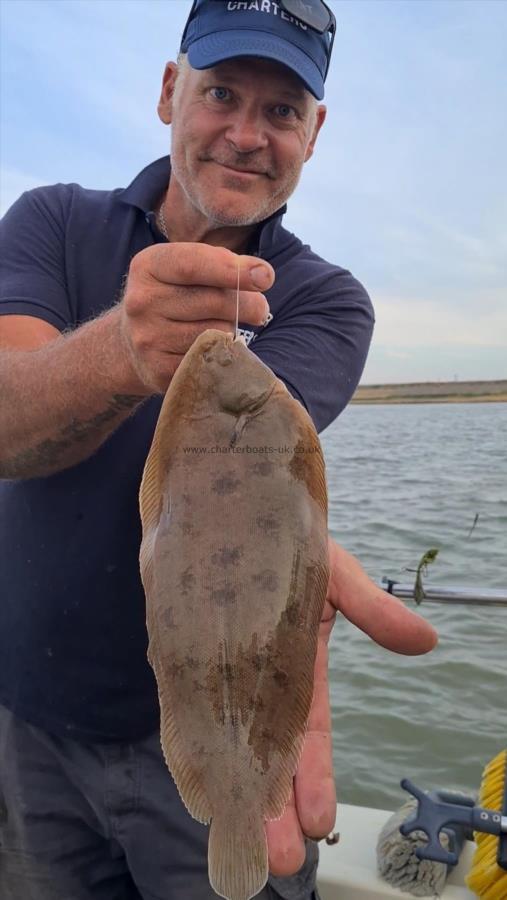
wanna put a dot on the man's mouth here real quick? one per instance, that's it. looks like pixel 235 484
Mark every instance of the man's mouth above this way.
pixel 240 171
pixel 251 170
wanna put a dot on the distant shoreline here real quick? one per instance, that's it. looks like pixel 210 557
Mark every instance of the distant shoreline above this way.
pixel 433 392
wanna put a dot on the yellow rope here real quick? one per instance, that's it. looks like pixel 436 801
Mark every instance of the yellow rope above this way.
pixel 486 878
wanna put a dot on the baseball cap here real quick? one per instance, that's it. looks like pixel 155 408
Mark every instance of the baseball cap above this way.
pixel 218 30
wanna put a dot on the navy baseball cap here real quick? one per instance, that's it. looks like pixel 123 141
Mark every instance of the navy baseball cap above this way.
pixel 218 30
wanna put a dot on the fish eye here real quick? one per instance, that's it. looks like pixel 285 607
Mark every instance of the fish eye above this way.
pixel 207 352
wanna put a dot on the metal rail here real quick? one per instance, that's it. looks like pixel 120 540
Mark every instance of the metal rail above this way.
pixel 434 593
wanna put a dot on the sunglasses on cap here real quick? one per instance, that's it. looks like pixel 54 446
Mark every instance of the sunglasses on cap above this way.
pixel 315 14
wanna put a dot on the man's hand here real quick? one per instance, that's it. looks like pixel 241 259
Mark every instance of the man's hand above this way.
pixel 312 807
pixel 174 292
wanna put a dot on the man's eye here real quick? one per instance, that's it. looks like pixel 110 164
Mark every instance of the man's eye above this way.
pixel 284 111
pixel 220 93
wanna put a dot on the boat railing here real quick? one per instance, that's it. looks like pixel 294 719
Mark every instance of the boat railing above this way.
pixel 433 593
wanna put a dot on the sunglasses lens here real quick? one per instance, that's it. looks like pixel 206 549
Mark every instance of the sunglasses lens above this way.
pixel 311 12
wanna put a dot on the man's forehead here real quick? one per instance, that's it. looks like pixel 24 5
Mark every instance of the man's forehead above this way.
pixel 246 68
pixel 219 31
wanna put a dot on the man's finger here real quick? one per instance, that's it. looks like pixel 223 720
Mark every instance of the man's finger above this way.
pixel 391 624
pixel 286 844
pixel 315 791
pixel 189 263
pixel 380 615
pixel 195 303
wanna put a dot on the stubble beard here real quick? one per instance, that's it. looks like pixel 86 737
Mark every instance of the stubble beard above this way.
pixel 217 215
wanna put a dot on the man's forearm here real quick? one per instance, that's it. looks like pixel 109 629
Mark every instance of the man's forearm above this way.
pixel 60 402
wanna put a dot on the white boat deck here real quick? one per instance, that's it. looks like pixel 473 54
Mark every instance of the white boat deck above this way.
pixel 347 870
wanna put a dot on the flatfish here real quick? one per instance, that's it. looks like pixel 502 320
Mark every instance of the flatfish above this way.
pixel 235 570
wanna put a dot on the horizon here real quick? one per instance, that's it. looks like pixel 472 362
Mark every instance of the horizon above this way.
pixel 406 187
pixel 434 381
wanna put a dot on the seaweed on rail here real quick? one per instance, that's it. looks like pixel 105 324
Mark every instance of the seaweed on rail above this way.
pixel 422 569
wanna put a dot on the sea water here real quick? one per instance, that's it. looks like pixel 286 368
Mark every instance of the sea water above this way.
pixel 403 479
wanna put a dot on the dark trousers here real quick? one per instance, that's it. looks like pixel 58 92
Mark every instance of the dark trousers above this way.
pixel 103 822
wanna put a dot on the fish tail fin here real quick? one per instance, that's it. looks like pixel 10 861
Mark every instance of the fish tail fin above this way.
pixel 237 856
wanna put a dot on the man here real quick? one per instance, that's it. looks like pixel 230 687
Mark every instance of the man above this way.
pixel 102 294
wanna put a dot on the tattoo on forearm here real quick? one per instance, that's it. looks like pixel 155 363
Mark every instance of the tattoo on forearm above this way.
pixel 44 455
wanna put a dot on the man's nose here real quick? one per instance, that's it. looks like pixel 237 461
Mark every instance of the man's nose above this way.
pixel 246 132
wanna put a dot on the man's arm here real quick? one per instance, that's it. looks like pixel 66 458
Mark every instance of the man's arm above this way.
pixel 60 401
pixel 61 397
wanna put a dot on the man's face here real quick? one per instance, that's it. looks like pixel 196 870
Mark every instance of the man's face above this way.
pixel 241 132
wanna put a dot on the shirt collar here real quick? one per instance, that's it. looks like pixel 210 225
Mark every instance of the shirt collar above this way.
pixel 147 188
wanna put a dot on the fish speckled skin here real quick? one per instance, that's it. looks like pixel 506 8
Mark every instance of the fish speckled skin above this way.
pixel 235 569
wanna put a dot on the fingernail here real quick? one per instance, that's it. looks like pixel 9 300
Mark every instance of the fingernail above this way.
pixel 260 276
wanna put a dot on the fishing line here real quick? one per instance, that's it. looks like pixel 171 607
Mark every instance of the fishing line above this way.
pixel 237 307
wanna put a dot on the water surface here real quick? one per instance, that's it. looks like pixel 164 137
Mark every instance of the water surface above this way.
pixel 403 479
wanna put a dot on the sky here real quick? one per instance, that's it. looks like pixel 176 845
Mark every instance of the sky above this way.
pixel 408 184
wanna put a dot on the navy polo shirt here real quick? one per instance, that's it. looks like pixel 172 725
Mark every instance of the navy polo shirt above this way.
pixel 73 637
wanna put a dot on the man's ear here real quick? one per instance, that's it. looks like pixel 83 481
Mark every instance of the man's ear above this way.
pixel 319 121
pixel 165 104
